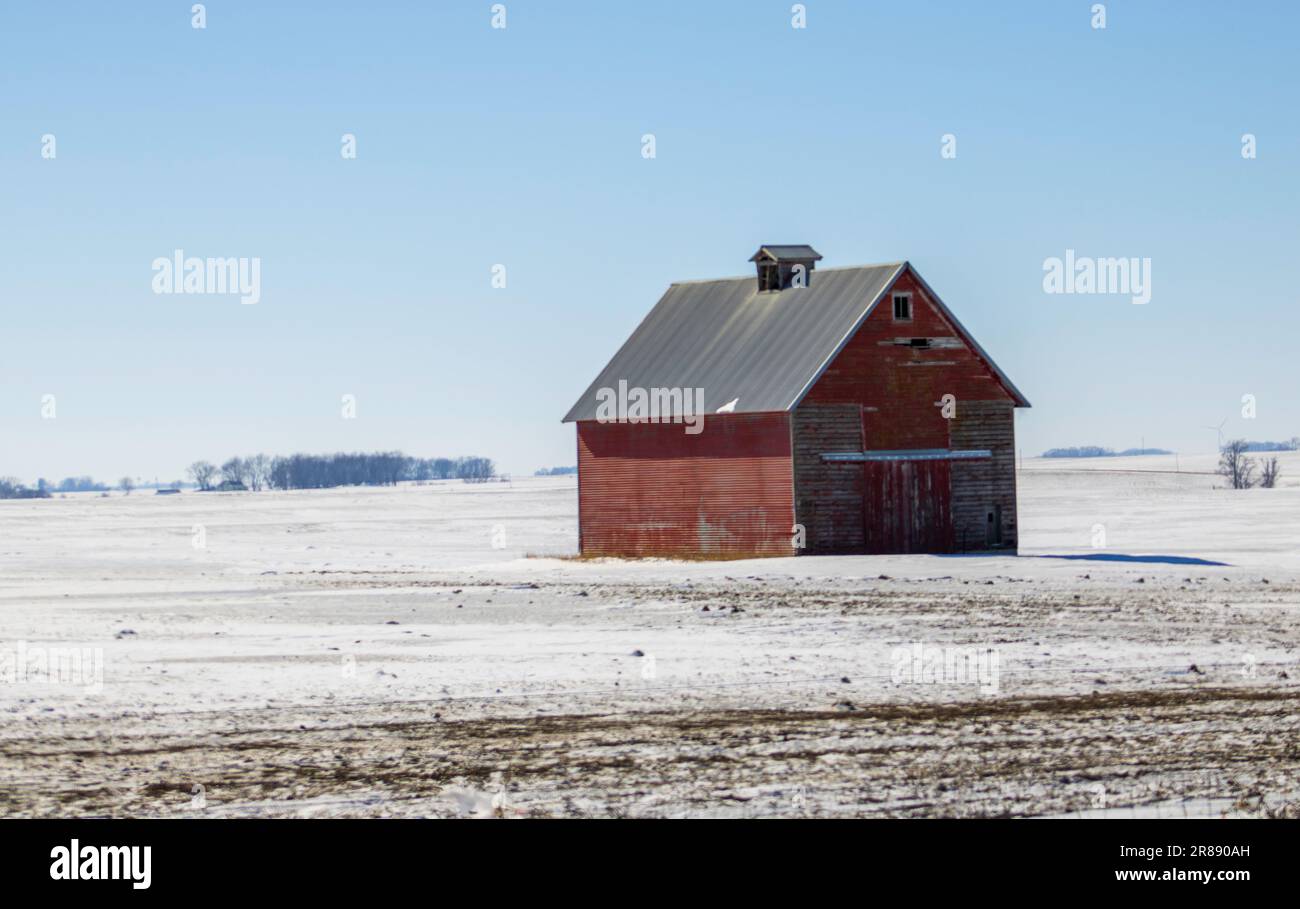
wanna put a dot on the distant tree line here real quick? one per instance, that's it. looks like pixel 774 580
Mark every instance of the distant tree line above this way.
pixel 304 471
pixel 1096 451
pixel 79 484
pixel 554 471
pixel 1292 444
pixel 299 471
pixel 1081 451
pixel 10 488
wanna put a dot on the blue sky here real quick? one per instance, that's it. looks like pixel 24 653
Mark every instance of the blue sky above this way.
pixel 522 146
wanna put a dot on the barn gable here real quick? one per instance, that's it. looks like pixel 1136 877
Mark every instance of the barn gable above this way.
pixel 886 360
pixel 930 339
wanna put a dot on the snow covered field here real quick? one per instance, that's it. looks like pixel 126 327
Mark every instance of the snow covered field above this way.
pixel 430 650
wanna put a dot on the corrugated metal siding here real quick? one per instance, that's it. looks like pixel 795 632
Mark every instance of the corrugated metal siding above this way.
pixel 651 489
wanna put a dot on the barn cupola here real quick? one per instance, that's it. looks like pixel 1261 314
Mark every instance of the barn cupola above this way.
pixel 781 267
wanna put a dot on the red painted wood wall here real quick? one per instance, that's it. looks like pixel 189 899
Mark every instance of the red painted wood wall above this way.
pixel 892 379
pixel 907 506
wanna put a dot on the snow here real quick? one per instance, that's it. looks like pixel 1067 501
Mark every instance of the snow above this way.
pixel 435 649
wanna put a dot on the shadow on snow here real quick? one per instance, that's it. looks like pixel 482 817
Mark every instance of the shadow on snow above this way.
pixel 1097 557
pixel 1143 559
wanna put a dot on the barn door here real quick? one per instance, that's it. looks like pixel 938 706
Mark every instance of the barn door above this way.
pixel 906 506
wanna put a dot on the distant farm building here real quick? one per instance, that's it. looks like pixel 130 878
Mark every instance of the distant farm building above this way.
pixel 846 411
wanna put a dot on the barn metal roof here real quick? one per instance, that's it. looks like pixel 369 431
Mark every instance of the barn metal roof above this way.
pixel 762 351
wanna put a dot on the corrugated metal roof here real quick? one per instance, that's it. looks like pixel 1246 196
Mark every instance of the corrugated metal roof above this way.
pixel 762 350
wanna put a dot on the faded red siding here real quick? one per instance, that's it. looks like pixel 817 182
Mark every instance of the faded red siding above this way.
pixel 908 506
pixel 652 489
pixel 904 384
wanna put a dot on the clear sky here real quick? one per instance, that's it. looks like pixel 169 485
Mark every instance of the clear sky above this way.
pixel 523 146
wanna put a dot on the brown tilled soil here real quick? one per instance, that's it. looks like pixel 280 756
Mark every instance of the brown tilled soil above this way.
pixel 1196 750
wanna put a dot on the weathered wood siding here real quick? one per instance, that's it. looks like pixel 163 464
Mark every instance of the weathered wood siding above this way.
pixel 907 506
pixel 828 500
pixel 979 486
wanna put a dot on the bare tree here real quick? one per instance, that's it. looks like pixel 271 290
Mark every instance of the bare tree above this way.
pixel 233 471
pixel 257 472
pixel 126 485
pixel 1269 473
pixel 474 468
pixel 1235 466
pixel 202 472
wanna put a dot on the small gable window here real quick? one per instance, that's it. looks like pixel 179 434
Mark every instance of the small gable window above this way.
pixel 902 307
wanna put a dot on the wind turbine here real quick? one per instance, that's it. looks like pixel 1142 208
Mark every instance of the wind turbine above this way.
pixel 1219 430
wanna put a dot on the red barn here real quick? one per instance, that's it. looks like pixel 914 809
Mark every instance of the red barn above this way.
pixel 842 411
